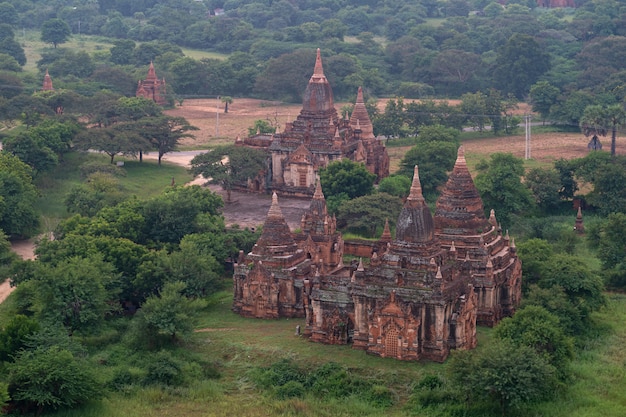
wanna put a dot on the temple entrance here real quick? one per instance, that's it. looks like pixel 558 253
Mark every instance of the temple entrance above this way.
pixel 259 307
pixel 391 343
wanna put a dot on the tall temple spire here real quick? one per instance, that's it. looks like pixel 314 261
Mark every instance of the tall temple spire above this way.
pixel 318 71
pixel 151 72
pixel 318 195
pixel 276 233
pixel 386 236
pixel 318 96
pixel 274 211
pixel 416 187
pixel 415 223
pixel 459 206
pixel 47 82
pixel 360 119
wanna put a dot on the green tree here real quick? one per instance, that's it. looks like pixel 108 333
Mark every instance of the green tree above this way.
pixel 55 31
pixel 366 214
pixel 500 186
pixel 396 185
pixel 14 334
pixel 261 126
pixel 164 133
pixel 346 176
pixel 474 106
pixel 556 301
pixel 228 165
pixel 18 196
pixel 582 286
pixel 8 44
pixel 227 100
pixel 8 63
pixel 47 379
pixel 77 293
pixel 611 246
pixel 543 96
pixel 190 265
pixel 8 14
pixel 30 151
pixel 534 253
pixel 99 190
pixel 180 211
pixel 540 330
pixel 507 375
pixel 121 139
pixel 593 123
pixel 434 159
pixel 122 51
pixel 519 64
pixel 391 123
pixel 168 317
pixel 545 184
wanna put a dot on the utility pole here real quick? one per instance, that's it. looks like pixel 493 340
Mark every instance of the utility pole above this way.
pixel 527 124
pixel 217 117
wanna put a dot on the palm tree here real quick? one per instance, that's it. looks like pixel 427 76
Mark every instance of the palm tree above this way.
pixel 616 116
pixel 593 123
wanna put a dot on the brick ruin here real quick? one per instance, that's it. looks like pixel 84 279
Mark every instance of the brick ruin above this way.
pixel 47 82
pixel 152 88
pixel 421 294
pixel 317 137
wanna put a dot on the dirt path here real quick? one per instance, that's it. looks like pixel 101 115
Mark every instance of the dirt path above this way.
pixel 26 250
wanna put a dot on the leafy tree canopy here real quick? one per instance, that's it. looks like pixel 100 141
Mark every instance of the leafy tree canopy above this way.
pixel 346 176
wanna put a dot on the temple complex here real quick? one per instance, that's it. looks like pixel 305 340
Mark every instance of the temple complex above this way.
pixel 47 82
pixel 317 137
pixel 416 296
pixel 152 88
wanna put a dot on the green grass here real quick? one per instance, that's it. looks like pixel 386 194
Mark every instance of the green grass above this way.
pixel 142 179
pixel 199 54
pixel 34 46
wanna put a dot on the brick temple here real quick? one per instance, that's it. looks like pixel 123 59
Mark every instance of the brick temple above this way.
pixel 416 296
pixel 317 137
pixel 152 88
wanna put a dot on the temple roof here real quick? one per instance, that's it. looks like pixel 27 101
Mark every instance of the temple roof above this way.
pixel 459 206
pixel 275 230
pixel 318 96
pixel 415 223
pixel 360 119
pixel 151 72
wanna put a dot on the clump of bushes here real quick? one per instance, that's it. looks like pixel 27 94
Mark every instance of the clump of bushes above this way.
pixel 284 379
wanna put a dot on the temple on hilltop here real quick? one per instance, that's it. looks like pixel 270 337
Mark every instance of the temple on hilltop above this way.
pixel 416 296
pixel 152 88
pixel 47 82
pixel 317 137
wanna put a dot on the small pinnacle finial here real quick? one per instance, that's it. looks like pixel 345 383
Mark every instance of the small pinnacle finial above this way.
pixel 274 208
pixel 416 187
pixel 359 95
pixel 318 195
pixel 319 69
pixel 439 275
pixel 360 267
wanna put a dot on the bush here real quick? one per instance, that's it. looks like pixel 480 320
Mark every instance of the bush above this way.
pixel 164 369
pixel 290 390
pixel 91 167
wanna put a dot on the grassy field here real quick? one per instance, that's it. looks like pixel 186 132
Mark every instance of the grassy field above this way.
pixel 33 46
pixel 238 346
pixel 141 179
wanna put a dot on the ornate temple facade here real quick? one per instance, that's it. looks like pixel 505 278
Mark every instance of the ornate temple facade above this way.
pixel 419 294
pixel 317 137
pixel 152 88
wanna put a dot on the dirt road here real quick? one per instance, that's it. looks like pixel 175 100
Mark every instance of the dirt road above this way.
pixel 26 250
